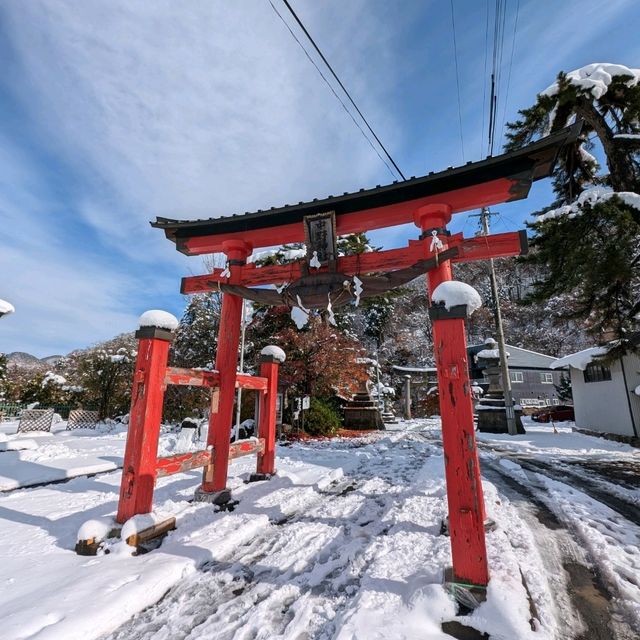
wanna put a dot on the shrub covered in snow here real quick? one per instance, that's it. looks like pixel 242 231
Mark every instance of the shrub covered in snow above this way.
pixel 321 419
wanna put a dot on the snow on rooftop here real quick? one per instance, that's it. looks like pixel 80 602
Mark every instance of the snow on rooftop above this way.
pixel 6 307
pixel 159 319
pixel 591 197
pixel 454 293
pixel 275 352
pixel 595 78
pixel 579 360
pixel 490 353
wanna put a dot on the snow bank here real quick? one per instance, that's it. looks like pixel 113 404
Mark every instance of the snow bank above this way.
pixel 454 293
pixel 579 360
pixel 595 78
pixel 591 197
pixel 275 352
pixel 158 319
pixel 6 307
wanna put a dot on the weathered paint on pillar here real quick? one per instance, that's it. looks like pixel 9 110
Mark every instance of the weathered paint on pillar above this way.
pixel 147 397
pixel 462 470
pixel 267 415
pixel 221 416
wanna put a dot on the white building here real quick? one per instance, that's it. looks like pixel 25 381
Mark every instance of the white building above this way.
pixel 604 396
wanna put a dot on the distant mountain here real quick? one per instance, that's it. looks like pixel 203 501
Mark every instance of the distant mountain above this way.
pixel 26 360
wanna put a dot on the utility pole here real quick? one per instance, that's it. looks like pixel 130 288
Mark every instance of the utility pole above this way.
pixel 504 367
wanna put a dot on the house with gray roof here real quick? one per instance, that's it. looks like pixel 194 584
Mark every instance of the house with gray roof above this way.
pixel 606 395
pixel 532 378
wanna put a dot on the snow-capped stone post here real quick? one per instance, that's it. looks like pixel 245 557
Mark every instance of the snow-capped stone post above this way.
pixel 450 306
pixel 271 358
pixel 155 333
pixel 214 479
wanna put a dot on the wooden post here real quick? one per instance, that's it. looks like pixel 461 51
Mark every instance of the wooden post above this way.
pixel 462 470
pixel 147 397
pixel 407 397
pixel 214 480
pixel 270 360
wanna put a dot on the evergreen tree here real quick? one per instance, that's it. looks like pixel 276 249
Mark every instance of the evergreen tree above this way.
pixel 195 341
pixel 588 245
pixel 3 377
pixel 563 389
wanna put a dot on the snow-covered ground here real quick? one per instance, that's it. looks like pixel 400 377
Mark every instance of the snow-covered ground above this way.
pixel 344 543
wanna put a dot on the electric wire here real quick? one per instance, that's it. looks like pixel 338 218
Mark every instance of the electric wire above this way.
pixel 344 106
pixel 484 94
pixel 333 73
pixel 506 95
pixel 455 55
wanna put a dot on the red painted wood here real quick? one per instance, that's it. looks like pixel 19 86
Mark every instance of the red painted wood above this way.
pixel 246 447
pixel 267 418
pixel 147 396
pixel 168 465
pixel 462 469
pixel 191 377
pixel 464 199
pixel 255 383
pixel 499 245
pixel 221 416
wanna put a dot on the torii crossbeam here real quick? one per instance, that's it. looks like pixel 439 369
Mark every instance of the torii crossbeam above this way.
pixel 429 202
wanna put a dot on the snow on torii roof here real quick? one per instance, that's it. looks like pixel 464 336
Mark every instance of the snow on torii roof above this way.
pixel 511 175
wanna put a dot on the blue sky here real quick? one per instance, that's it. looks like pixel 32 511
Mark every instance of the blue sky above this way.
pixel 115 112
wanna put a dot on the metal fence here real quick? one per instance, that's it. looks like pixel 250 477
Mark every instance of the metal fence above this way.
pixel 13 410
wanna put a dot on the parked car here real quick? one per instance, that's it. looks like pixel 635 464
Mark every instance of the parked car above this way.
pixel 560 413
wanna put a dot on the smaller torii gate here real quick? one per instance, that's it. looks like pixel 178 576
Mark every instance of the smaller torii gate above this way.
pixel 429 202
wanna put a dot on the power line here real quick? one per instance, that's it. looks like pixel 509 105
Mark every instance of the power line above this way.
pixel 484 94
pixel 513 45
pixel 344 106
pixel 333 73
pixel 496 67
pixel 455 55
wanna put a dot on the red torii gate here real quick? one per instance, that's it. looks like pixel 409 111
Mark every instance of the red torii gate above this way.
pixel 429 202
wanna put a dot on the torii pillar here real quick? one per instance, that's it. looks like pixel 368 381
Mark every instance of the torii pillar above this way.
pixel 462 471
pixel 214 479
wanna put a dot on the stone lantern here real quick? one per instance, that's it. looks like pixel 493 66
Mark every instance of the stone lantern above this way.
pixel 492 416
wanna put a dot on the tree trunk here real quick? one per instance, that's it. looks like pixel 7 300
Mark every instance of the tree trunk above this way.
pixel 620 165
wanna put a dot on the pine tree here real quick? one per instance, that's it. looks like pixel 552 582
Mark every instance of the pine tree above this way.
pixel 195 341
pixel 563 389
pixel 588 246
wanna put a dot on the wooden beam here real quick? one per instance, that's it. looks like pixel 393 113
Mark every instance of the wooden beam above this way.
pixel 254 383
pixel 152 532
pixel 168 465
pixel 499 245
pixel 246 447
pixel 191 377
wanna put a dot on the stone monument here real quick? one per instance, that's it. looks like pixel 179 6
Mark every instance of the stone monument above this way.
pixel 492 416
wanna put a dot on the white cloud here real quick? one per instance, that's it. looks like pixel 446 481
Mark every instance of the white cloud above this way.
pixel 177 109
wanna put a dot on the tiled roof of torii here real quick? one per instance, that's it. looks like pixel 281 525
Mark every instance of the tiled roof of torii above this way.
pixel 521 167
